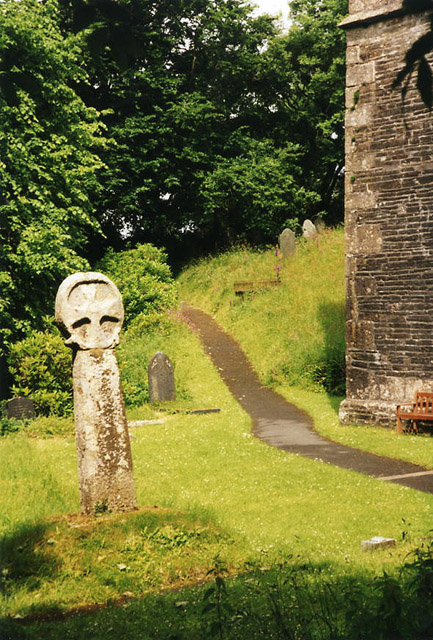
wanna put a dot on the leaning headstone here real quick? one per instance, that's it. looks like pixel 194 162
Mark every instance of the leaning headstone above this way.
pixel 308 229
pixel 89 308
pixel 20 408
pixel 319 223
pixel 287 242
pixel 161 378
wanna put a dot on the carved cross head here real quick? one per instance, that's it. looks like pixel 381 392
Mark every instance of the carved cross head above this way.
pixel 89 308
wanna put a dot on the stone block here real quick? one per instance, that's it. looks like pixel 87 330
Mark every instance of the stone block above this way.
pixel 365 286
pixel 360 74
pixel 360 335
pixel 353 55
pixel 361 200
pixel 368 239
pixel 360 116
pixel 378 542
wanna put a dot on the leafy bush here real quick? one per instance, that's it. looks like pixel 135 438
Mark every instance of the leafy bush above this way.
pixel 40 366
pixel 8 425
pixel 395 606
pixel 50 143
pixel 144 279
pixel 328 371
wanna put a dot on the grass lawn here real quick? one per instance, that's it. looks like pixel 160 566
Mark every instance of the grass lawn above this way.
pixel 233 539
pixel 210 495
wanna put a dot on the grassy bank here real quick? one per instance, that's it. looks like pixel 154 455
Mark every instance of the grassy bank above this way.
pixel 293 333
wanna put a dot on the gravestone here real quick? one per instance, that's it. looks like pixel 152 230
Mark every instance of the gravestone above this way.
pixel 287 242
pixel 161 378
pixel 319 223
pixel 20 408
pixel 89 308
pixel 308 229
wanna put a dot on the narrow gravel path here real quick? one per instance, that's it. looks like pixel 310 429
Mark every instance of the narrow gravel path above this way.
pixel 283 425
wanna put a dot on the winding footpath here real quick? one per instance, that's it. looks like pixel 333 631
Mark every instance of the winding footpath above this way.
pixel 283 425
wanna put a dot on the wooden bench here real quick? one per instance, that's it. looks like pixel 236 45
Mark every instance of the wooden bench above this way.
pixel 252 287
pixel 421 409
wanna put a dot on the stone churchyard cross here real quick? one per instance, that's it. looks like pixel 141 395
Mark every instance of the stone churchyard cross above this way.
pixel 89 308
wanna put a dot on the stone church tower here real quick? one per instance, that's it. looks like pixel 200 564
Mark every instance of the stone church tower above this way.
pixel 389 217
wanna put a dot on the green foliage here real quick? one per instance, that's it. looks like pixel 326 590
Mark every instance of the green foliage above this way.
pixel 9 425
pixel 220 129
pixel 223 126
pixel 40 426
pixel 394 608
pixel 330 373
pixel 216 607
pixel 40 366
pixel 148 291
pixel 49 167
pixel 303 88
pixel 173 80
pixel 49 426
pixel 294 600
pixel 144 279
pixel 170 537
pixel 255 194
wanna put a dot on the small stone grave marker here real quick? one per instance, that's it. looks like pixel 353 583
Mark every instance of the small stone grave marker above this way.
pixel 378 542
pixel 20 408
pixel 308 229
pixel 161 378
pixel 203 411
pixel 319 223
pixel 287 242
pixel 142 423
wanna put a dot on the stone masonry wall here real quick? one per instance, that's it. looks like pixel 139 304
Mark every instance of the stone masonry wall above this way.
pixel 389 218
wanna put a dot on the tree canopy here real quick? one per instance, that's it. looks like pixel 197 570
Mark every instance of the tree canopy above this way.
pixel 190 124
pixel 200 97
pixel 49 141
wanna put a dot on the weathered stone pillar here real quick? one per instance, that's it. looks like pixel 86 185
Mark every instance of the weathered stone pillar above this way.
pixel 89 307
pixel 389 217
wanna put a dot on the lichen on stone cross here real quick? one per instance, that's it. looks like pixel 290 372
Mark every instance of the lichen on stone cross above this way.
pixel 89 309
